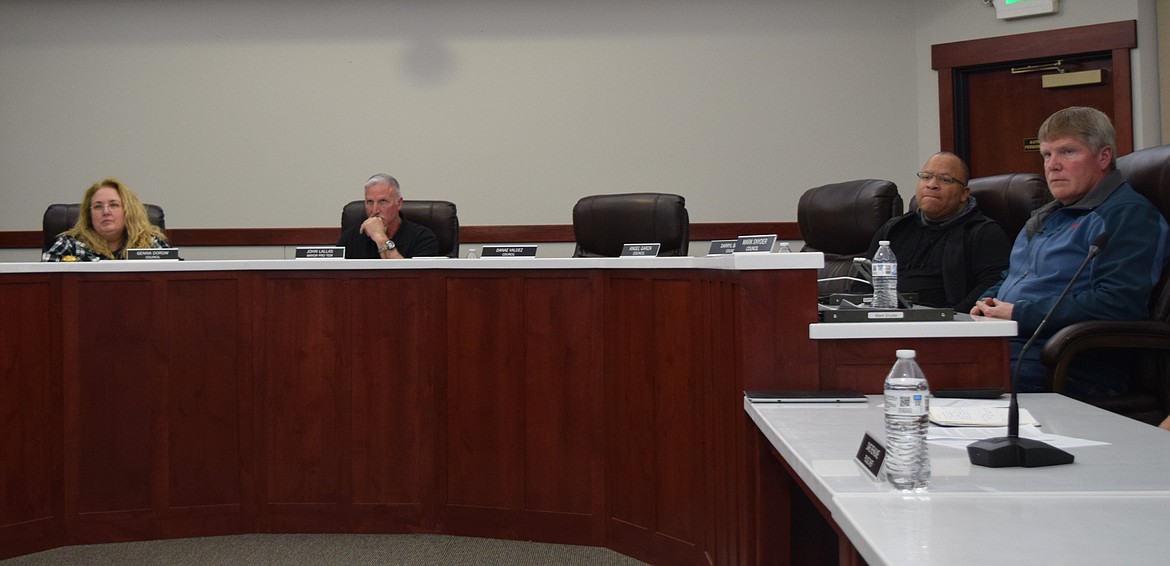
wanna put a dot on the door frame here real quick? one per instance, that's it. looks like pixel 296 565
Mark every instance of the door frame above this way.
pixel 954 61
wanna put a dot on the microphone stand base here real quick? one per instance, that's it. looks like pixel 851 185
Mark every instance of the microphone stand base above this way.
pixel 1008 452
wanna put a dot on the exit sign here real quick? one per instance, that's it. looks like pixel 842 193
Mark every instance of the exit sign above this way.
pixel 1011 9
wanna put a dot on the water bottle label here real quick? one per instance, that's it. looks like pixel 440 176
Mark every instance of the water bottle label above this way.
pixel 908 403
pixel 884 270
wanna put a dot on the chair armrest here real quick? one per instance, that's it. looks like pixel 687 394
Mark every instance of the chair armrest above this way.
pixel 1071 340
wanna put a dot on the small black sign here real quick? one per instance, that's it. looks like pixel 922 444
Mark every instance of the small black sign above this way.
pixel 320 252
pixel 640 250
pixel 508 251
pixel 722 247
pixel 760 244
pixel 153 253
pixel 1031 144
pixel 870 455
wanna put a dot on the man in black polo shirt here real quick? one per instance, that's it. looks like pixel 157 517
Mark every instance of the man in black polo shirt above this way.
pixel 385 234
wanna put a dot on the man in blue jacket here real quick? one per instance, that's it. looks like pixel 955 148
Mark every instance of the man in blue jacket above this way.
pixel 1092 198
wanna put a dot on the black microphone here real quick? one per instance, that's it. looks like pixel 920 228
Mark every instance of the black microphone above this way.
pixel 1011 450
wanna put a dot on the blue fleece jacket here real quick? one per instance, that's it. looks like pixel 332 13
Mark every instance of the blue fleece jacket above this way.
pixel 1052 245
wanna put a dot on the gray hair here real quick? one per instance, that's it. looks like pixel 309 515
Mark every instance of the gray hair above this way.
pixel 383 179
pixel 1089 125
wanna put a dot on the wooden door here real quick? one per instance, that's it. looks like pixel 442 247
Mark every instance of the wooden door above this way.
pixel 988 114
pixel 1005 104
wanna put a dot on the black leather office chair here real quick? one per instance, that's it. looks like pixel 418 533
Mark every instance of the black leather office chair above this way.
pixel 840 220
pixel 438 215
pixel 61 217
pixel 1008 199
pixel 1148 171
pixel 603 223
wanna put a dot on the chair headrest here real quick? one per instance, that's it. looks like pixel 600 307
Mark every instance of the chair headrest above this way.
pixel 1010 199
pixel 1148 171
pixel 603 223
pixel 61 217
pixel 841 218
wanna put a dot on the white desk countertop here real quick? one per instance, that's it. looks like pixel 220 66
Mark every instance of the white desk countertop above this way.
pixel 1028 529
pixel 742 262
pixel 963 326
pixel 1112 505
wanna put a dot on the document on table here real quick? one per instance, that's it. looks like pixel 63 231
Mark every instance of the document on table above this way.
pixel 960 436
pixel 977 416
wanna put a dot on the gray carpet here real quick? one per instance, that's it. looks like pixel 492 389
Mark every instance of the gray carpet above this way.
pixel 401 550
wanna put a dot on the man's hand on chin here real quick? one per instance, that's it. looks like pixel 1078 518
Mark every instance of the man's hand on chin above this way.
pixel 374 228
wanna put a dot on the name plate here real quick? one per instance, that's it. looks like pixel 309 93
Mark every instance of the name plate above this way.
pixel 168 254
pixel 761 243
pixel 640 250
pixel 871 455
pixel 508 251
pixel 722 247
pixel 320 252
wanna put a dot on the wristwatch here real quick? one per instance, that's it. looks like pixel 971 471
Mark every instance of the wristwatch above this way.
pixel 389 245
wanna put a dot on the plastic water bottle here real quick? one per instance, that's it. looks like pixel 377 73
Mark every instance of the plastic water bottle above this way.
pixel 907 406
pixel 885 277
pixel 784 248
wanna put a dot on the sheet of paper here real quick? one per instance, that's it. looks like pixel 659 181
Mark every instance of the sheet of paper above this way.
pixel 960 437
pixel 936 402
pixel 976 416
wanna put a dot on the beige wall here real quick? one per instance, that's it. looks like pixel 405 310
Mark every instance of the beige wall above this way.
pixel 1164 65
pixel 270 113
pixel 945 22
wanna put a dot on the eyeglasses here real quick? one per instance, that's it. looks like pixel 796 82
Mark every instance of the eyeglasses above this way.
pixel 101 207
pixel 942 178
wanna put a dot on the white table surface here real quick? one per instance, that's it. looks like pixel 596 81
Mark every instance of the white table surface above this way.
pixel 742 262
pixel 1097 529
pixel 1110 495
pixel 963 326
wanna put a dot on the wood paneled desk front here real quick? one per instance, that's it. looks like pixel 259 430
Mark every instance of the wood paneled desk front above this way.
pixel 583 401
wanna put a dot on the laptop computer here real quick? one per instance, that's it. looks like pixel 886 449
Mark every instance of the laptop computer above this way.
pixel 789 396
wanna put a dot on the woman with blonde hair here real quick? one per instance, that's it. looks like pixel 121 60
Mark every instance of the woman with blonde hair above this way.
pixel 111 220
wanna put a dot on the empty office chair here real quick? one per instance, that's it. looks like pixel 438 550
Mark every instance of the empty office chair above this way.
pixel 438 215
pixel 603 223
pixel 61 217
pixel 1148 171
pixel 840 220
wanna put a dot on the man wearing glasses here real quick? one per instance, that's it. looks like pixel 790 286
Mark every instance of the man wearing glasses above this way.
pixel 948 252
